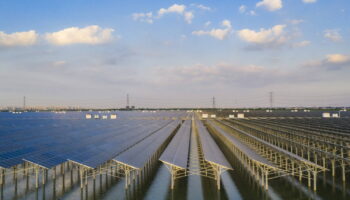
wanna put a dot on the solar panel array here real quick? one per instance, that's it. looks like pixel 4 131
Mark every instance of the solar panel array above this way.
pixel 49 141
pixel 243 147
pixel 138 155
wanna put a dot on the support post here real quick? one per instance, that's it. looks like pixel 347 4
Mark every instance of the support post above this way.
pixel 266 180
pixel 81 172
pixel 315 180
pixel 36 177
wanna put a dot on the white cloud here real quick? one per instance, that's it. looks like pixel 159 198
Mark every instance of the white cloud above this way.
pixel 333 35
pixel 296 21
pixel 74 35
pixel 272 37
pixel 59 63
pixel 18 38
pixel 179 9
pixel 337 58
pixel 188 17
pixel 175 8
pixel 219 74
pixel 202 7
pixel 309 1
pixel 143 17
pixel 242 8
pixel 208 23
pixel 330 62
pixel 217 33
pixel 270 5
pixel 302 43
pixel 252 13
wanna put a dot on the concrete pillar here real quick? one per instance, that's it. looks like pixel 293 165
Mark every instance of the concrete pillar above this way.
pixel 218 177
pixel 308 178
pixel 266 180
pixel 172 177
pixel 333 167
pixel 343 165
pixel 36 177
pixel 81 175
pixel 315 180
pixel 43 175
pixel 126 179
pixel 2 176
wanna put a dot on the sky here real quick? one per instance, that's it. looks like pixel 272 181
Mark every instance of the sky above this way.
pixel 92 53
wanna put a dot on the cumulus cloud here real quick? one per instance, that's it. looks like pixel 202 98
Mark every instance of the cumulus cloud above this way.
pixel 337 58
pixel 217 33
pixel 333 35
pixel 188 17
pixel 74 35
pixel 208 23
pixel 221 73
pixel 309 1
pixel 175 8
pixel 242 9
pixel 302 44
pixel 143 17
pixel 202 7
pixel 59 63
pixel 252 13
pixel 270 5
pixel 273 37
pixel 296 21
pixel 331 62
pixel 178 9
pixel 18 38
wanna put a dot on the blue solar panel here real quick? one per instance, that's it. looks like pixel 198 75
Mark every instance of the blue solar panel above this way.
pixel 177 151
pixel 211 150
pixel 138 155
pixel 50 139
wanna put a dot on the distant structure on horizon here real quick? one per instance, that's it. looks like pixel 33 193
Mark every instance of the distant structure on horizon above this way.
pixel 214 103
pixel 128 107
pixel 24 102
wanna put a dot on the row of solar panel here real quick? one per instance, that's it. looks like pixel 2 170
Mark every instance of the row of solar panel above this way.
pixel 138 155
pixel 51 142
pixel 239 145
pixel 177 151
pixel 211 150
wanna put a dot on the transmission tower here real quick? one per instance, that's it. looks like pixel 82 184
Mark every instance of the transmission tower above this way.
pixel 271 99
pixel 24 102
pixel 127 101
pixel 214 105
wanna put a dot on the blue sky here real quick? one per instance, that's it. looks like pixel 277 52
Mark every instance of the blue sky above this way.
pixel 174 53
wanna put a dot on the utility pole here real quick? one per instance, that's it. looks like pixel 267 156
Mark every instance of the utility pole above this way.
pixel 271 99
pixel 214 105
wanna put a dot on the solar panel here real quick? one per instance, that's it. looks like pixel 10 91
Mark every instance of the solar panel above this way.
pixel 138 155
pixel 177 151
pixel 211 151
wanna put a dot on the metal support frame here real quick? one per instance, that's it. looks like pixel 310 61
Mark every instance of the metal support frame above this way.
pixel 197 165
pixel 286 162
